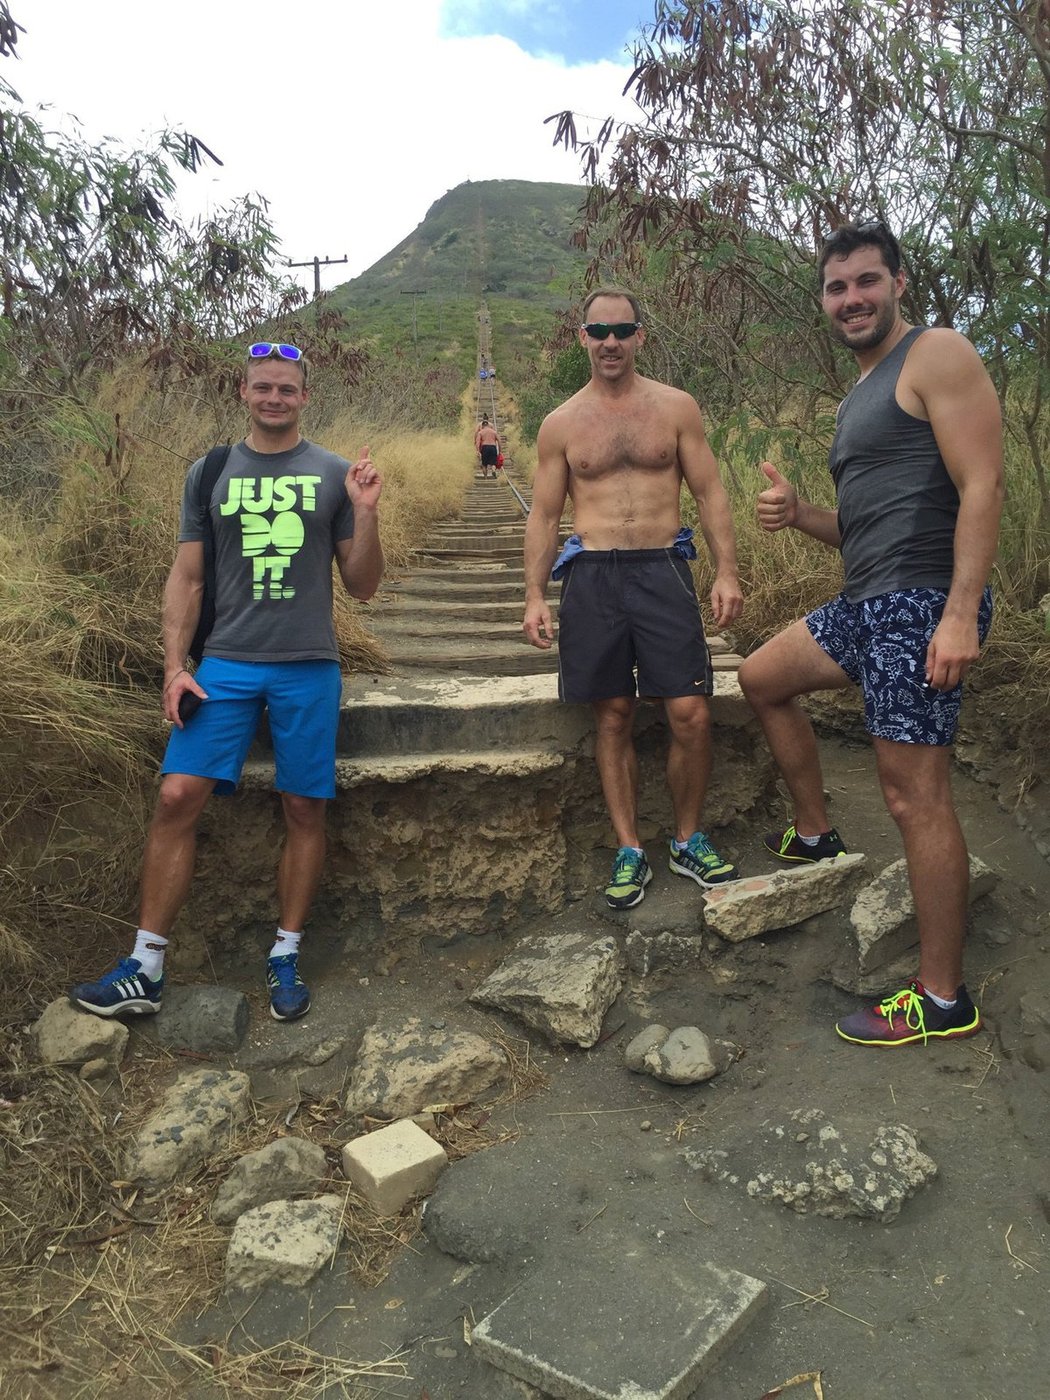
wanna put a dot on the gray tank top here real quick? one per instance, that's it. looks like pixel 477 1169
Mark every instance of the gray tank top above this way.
pixel 897 505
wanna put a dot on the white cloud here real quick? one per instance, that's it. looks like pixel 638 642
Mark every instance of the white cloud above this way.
pixel 351 120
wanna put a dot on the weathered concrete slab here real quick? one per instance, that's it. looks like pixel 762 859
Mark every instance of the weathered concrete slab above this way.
pixel 883 915
pixel 850 1167
pixel 621 1342
pixel 753 906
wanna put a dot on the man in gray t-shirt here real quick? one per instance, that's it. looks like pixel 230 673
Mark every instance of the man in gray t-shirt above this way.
pixel 918 472
pixel 281 511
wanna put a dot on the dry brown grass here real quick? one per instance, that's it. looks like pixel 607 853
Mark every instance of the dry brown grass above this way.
pixel 98 1281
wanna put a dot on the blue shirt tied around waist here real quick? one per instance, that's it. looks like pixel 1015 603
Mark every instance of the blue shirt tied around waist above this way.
pixel 683 545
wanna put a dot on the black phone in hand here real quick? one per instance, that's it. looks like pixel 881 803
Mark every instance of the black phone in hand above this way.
pixel 189 704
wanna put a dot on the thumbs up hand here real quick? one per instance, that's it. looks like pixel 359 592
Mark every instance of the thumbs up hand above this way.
pixel 777 505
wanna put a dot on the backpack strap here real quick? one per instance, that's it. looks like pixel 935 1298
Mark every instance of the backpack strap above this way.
pixel 210 473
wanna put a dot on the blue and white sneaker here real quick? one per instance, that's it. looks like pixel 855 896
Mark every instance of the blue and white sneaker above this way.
pixel 125 989
pixel 289 994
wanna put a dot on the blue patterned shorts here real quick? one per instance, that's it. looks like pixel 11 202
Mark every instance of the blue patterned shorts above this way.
pixel 881 645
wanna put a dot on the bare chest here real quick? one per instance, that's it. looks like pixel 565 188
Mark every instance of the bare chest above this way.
pixel 606 445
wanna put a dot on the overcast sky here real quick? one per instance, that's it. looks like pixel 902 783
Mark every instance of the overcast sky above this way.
pixel 350 116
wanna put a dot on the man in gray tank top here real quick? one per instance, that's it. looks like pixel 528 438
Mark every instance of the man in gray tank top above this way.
pixel 917 466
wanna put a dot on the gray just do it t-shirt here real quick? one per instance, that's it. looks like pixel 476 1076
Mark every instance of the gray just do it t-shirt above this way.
pixel 277 518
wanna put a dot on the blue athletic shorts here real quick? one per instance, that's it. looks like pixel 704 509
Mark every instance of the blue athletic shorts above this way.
pixel 881 645
pixel 302 703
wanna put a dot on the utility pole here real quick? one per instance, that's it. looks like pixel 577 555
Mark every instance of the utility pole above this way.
pixel 317 264
pixel 415 338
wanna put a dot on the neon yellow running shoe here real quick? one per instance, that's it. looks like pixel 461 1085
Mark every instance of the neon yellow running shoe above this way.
pixel 630 876
pixel 911 1015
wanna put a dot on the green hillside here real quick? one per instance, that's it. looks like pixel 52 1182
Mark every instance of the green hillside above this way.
pixel 507 242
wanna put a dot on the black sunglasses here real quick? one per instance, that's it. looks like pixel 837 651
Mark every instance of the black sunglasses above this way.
pixel 601 330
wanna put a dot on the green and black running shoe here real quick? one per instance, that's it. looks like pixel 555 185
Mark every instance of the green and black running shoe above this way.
pixel 630 876
pixel 699 860
pixel 788 845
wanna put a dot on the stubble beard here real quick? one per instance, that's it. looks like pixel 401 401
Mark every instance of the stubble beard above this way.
pixel 885 320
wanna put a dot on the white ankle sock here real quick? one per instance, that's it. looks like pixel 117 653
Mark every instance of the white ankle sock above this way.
pixel 940 1001
pixel 285 943
pixel 149 951
pixel 808 840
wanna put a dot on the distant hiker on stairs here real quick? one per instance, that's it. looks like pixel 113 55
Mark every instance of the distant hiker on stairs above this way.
pixel 487 445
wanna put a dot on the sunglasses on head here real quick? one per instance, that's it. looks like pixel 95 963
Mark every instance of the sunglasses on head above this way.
pixel 264 349
pixel 601 330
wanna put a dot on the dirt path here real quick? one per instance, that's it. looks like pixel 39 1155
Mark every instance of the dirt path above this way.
pixel 949 1300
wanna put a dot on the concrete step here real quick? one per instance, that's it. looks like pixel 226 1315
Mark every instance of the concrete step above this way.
pixel 437 714
pixel 477 658
pixel 453 584
pixel 417 608
pixel 469 555
pixel 393 626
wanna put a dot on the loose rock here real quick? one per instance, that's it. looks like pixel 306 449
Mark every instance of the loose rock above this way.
pixel 290 1166
pixel 65 1036
pixel 561 986
pixel 286 1242
pixel 192 1123
pixel 401 1070
pixel 685 1057
pixel 636 1050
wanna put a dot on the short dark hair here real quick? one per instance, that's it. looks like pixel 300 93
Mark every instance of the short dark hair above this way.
pixel 868 233
pixel 636 310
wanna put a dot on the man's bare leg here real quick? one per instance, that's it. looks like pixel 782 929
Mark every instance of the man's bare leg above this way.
pixel 171 847
pixel 617 761
pixel 302 859
pixel 788 665
pixel 688 759
pixel 916 784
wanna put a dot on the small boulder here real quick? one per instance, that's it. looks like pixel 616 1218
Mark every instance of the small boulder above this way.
pixel 290 1166
pixel 561 985
pixel 403 1069
pixel 65 1036
pixel 284 1242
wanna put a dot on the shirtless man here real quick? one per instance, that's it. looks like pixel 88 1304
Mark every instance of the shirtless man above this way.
pixel 486 442
pixel 620 450
pixel 918 471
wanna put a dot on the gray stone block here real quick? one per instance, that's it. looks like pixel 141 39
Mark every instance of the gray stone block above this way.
pixel 619 1341
pixel 207 1020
